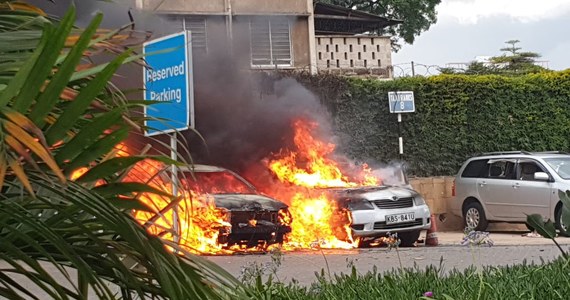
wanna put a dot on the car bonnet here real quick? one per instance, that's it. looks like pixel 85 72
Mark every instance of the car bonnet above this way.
pixel 247 202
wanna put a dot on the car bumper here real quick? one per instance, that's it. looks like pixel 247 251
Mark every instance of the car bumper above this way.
pixel 370 223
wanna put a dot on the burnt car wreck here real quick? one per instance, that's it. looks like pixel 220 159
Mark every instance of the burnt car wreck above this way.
pixel 256 219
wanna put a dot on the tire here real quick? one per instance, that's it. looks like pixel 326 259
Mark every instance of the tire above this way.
pixel 563 229
pixel 474 217
pixel 409 238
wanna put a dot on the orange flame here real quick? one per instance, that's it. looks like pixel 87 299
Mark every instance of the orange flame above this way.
pixel 199 221
pixel 317 221
pixel 310 165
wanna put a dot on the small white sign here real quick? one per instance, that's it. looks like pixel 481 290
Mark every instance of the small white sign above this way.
pixel 401 102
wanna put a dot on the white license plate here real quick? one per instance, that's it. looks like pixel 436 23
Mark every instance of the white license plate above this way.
pixel 400 218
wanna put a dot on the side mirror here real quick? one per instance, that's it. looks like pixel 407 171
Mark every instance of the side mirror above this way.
pixel 541 176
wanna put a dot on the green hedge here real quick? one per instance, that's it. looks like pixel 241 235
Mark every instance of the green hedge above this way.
pixel 547 281
pixel 456 117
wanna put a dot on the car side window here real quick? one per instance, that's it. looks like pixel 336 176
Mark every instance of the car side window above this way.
pixel 476 168
pixel 526 170
pixel 501 169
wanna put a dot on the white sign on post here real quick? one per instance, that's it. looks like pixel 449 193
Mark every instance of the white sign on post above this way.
pixel 401 102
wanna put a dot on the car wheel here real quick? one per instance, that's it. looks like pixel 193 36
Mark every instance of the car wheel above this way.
pixel 409 238
pixel 474 217
pixel 563 229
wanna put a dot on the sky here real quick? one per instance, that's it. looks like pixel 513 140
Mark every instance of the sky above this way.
pixel 467 29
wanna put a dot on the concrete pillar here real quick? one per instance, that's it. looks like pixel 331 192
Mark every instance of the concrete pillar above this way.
pixel 312 42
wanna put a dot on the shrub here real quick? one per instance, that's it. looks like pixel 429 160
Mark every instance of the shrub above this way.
pixel 456 117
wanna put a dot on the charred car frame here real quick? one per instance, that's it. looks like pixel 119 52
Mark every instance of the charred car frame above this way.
pixel 255 219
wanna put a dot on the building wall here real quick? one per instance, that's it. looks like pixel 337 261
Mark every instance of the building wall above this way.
pixel 300 36
pixel 238 7
pixel 358 54
pixel 298 12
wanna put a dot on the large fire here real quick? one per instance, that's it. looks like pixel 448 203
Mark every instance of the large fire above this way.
pixel 302 177
pixel 198 220
pixel 307 170
pixel 311 164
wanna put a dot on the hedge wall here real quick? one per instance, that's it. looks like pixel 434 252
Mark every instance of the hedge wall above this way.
pixel 456 116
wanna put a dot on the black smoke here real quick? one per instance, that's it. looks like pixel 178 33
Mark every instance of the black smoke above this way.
pixel 243 116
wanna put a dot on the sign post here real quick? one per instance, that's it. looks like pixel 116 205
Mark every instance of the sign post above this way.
pixel 401 102
pixel 168 80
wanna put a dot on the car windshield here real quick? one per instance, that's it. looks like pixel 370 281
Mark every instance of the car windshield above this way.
pixel 216 183
pixel 393 176
pixel 561 165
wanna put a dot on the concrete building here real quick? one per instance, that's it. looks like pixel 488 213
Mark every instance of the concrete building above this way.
pixel 345 45
pixel 263 34
pixel 358 55
pixel 279 34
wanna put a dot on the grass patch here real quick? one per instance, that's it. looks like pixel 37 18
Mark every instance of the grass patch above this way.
pixel 549 280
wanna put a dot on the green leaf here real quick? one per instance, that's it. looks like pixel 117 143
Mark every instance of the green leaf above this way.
pixel 128 189
pixel 87 136
pixel 97 149
pixel 43 67
pixel 51 95
pixel 87 95
pixel 547 229
pixel 21 77
pixel 109 168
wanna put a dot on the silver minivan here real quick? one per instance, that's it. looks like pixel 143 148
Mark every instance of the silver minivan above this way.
pixel 508 186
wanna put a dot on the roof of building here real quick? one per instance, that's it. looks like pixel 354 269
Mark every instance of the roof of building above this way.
pixel 334 19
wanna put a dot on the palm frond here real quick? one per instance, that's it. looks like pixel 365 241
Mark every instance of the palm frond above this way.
pixel 73 227
pixel 59 113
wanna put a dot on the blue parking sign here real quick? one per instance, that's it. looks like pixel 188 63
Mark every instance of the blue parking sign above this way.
pixel 401 102
pixel 168 79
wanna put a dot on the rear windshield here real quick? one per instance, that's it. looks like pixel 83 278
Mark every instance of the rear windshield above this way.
pixel 561 165
pixel 215 183
pixel 476 168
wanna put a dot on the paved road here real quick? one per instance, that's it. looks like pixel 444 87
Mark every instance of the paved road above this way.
pixel 510 248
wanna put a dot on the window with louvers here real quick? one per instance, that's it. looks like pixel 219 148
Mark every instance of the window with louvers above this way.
pixel 197 26
pixel 270 42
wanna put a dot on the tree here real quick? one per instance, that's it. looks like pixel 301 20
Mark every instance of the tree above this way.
pixel 513 62
pixel 58 113
pixel 417 16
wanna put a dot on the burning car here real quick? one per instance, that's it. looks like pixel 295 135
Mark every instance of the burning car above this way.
pixel 393 207
pixel 375 202
pixel 255 218
pixel 377 211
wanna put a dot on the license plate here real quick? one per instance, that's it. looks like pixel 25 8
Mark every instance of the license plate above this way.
pixel 400 218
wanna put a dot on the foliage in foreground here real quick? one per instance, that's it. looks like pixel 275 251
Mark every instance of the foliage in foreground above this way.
pixel 527 281
pixel 65 239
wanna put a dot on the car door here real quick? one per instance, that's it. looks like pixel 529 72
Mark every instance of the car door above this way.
pixel 496 188
pixel 531 196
